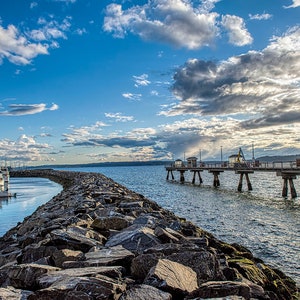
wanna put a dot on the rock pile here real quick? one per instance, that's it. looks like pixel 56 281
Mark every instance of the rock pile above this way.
pixel 99 240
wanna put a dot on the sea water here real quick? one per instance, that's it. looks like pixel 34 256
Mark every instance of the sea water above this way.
pixel 30 194
pixel 261 220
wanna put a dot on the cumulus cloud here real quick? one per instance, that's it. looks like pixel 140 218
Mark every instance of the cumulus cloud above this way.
pixel 180 23
pixel 263 84
pixel 237 32
pixel 26 109
pixel 21 48
pixel 296 3
pixel 174 22
pixel 17 48
pixel 24 149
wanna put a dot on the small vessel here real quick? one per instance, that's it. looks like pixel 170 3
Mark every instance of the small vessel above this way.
pixel 4 183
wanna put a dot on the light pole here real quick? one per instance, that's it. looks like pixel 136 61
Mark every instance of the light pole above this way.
pixel 221 156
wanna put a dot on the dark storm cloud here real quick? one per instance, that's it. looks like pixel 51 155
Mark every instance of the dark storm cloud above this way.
pixel 264 83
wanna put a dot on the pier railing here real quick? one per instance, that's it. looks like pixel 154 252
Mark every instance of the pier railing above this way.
pixel 288 170
pixel 263 166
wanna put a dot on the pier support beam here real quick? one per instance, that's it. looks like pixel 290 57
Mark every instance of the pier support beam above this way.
pixel 170 172
pixel 288 177
pixel 216 174
pixel 242 173
pixel 182 176
pixel 199 176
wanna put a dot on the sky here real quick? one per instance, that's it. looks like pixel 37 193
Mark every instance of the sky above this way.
pixel 86 81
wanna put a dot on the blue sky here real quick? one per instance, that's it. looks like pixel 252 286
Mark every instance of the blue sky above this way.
pixel 85 81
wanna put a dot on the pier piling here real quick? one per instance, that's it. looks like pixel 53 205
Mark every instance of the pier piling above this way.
pixel 288 176
pixel 246 173
pixel 216 174
pixel 199 176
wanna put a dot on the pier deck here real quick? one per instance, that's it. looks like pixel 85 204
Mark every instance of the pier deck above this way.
pixel 287 170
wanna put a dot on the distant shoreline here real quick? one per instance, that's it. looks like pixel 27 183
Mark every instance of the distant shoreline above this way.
pixel 285 158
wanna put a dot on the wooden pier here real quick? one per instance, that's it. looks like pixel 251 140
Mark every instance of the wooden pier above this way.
pixel 287 170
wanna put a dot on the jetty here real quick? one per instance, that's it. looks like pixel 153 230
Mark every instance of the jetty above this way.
pixel 99 240
pixel 287 170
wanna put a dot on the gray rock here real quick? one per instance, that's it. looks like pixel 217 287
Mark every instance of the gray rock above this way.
pixel 145 292
pixel 215 289
pixel 50 278
pixel 203 262
pixel 117 255
pixel 11 293
pixel 136 240
pixel 25 275
pixel 116 223
pixel 100 287
pixel 142 264
pixel 60 256
pixel 64 238
pixel 172 277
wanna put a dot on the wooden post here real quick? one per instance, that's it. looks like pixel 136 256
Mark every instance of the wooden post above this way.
pixel 245 172
pixel 182 176
pixel 292 188
pixel 216 179
pixel 194 177
pixel 170 172
pixel 216 173
pixel 248 182
pixel 285 187
pixel 200 178
pixel 288 176
pixel 240 186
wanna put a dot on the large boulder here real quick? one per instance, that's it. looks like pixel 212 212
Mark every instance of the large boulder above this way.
pixel 172 277
pixel 134 239
pixel 85 288
pixel 68 239
pixel 145 292
pixel 203 262
pixel 50 278
pixel 218 289
pixel 25 276
pixel 117 255
pixel 11 293
pixel 60 256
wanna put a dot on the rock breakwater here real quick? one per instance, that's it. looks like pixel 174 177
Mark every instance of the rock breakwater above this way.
pixel 99 240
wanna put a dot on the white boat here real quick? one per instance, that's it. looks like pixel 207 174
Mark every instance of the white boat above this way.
pixel 4 183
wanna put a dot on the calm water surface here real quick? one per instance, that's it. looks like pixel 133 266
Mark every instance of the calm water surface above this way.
pixel 261 220
pixel 31 193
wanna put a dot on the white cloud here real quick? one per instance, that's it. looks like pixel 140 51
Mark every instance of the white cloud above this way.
pixel 24 149
pixel 21 48
pixel 26 109
pixel 33 5
pixel 65 1
pixel 296 3
pixel 237 32
pixel 174 22
pixel 130 96
pixel 118 117
pixel 141 80
pixel 260 17
pixel 17 48
pixel 249 84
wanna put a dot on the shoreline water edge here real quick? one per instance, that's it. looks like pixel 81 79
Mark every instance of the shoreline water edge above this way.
pixel 99 240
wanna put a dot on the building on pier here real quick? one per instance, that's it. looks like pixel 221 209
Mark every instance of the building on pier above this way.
pixel 192 162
